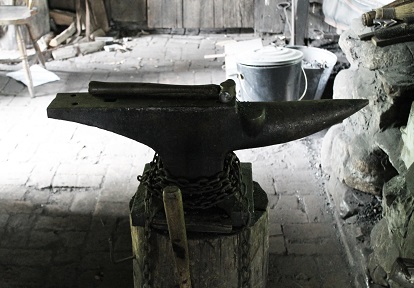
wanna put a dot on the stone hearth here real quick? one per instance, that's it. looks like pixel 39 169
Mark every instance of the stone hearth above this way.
pixel 372 152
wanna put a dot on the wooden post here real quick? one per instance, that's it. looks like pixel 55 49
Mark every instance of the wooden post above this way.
pixel 25 62
pixel 215 259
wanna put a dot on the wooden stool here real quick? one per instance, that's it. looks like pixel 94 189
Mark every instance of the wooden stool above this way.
pixel 20 16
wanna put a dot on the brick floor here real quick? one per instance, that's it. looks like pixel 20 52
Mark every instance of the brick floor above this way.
pixel 65 188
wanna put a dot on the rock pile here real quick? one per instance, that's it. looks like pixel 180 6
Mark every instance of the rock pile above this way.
pixel 373 150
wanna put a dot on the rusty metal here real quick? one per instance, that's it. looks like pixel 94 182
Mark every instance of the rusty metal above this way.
pixel 194 135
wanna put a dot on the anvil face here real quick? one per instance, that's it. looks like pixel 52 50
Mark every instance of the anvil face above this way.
pixel 193 136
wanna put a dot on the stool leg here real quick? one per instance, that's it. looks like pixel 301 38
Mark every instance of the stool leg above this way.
pixel 25 62
pixel 36 46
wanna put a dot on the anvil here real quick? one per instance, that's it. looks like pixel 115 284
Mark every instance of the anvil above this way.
pixel 191 127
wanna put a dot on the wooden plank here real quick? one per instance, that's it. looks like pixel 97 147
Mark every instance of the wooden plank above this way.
pixel 154 13
pixel 192 13
pixel 247 13
pixel 231 14
pixel 198 14
pixel 268 18
pixel 207 14
pixel 99 14
pixel 172 14
pixel 130 10
pixel 62 17
pixel 218 13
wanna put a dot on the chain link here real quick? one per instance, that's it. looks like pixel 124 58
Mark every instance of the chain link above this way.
pixel 202 193
pixel 146 269
pixel 244 268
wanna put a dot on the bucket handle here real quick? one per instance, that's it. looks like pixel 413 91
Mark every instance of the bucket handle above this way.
pixel 306 84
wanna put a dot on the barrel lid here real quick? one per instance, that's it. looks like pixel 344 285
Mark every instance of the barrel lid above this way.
pixel 270 56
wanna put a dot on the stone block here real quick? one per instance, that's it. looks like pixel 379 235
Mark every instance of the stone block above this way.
pixel 293 266
pixel 101 230
pixel 19 207
pixel 384 245
pixel 340 279
pixel 407 134
pixel 64 256
pixel 322 247
pixel 37 197
pixel 18 276
pixel 65 180
pixel 308 231
pixel 13 240
pixel 25 257
pixel 315 207
pixel 277 245
pixel 365 53
pixel 388 141
pixel 15 173
pixel 113 209
pixel 287 216
pixel 65 275
pixel 275 229
pixel 3 220
pixel 407 250
pixel 44 240
pixel 347 200
pixel 398 203
pixel 60 223
pixel 122 192
pixel 84 202
pixel 12 192
pixel 59 203
pixel 107 277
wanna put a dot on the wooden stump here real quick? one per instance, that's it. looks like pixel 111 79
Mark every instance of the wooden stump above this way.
pixel 215 259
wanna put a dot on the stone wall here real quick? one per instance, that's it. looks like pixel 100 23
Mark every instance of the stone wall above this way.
pixel 363 151
pixel 373 150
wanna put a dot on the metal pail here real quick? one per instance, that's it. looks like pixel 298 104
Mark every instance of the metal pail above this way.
pixel 318 65
pixel 270 74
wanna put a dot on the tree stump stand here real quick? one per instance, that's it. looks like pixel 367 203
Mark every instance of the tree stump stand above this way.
pixel 216 259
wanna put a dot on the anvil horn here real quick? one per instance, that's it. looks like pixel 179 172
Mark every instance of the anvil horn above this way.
pixel 269 123
pixel 193 135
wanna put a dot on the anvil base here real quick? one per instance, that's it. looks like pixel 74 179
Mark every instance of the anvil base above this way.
pixel 217 253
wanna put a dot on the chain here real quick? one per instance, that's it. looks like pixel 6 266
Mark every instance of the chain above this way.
pixel 244 248
pixel 146 271
pixel 203 193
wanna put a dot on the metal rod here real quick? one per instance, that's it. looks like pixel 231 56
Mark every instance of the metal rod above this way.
pixel 174 212
pixel 293 23
pixel 111 253
pixel 153 90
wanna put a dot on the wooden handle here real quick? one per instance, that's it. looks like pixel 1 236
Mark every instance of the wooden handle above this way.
pixel 174 212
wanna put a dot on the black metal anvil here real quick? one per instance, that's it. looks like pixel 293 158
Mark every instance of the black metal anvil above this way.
pixel 189 127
